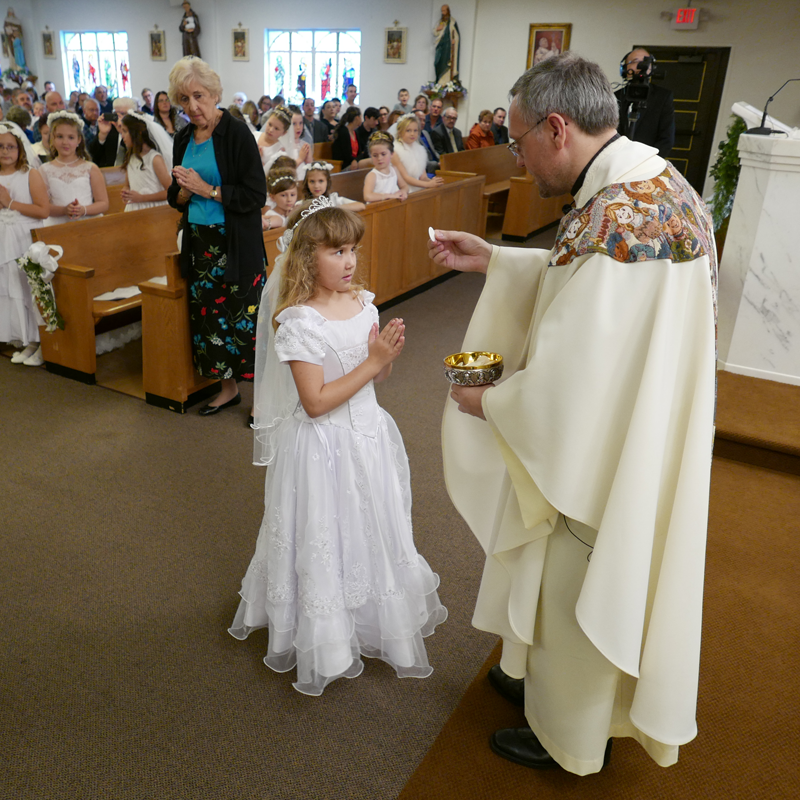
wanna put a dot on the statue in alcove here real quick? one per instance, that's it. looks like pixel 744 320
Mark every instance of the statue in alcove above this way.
pixel 190 28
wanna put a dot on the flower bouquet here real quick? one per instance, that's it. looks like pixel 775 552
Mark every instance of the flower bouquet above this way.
pixel 441 90
pixel 39 267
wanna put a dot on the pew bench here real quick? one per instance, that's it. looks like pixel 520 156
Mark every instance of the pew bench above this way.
pixel 525 212
pixel 101 255
pixel 323 152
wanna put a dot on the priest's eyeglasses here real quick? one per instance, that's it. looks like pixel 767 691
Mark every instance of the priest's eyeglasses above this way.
pixel 514 146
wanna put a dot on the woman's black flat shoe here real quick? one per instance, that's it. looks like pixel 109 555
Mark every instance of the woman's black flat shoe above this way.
pixel 207 411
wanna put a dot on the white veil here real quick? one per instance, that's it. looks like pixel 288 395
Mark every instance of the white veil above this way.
pixel 274 394
pixel 15 130
pixel 159 135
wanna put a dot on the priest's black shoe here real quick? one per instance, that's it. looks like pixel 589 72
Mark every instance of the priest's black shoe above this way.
pixel 521 746
pixel 513 689
pixel 207 411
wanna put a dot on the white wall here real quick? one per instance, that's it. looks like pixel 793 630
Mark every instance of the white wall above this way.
pixel 379 82
pixel 764 49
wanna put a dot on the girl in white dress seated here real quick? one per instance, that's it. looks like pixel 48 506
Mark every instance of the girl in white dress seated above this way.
pixel 75 186
pixel 23 206
pixel 335 575
pixel 301 151
pixel 147 176
pixel 383 182
pixel 410 158
pixel 272 140
pixel 317 183
pixel 282 190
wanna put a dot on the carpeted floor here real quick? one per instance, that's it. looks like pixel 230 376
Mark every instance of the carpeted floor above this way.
pixel 125 533
pixel 747 710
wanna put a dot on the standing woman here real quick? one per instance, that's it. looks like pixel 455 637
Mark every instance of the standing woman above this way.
pixel 219 185
pixel 167 115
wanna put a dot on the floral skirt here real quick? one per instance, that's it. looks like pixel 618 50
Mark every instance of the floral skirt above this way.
pixel 222 317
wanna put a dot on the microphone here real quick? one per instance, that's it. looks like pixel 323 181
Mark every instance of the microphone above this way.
pixel 762 130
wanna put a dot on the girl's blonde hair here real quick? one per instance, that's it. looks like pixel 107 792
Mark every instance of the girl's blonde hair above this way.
pixel 284 116
pixel 80 150
pixel 306 191
pixel 404 122
pixel 381 137
pixel 22 164
pixel 279 180
pixel 329 227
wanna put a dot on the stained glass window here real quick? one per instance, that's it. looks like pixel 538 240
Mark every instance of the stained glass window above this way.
pixel 318 64
pixel 94 59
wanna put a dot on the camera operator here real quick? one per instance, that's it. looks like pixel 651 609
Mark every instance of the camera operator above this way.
pixel 646 111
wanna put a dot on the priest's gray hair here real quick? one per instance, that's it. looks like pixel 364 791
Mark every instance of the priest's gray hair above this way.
pixel 190 69
pixel 571 86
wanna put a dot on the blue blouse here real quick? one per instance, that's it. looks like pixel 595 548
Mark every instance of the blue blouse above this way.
pixel 200 158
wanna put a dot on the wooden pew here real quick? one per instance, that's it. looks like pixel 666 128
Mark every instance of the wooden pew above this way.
pixel 101 254
pixel 525 211
pixel 323 152
pixel 169 377
pixel 115 204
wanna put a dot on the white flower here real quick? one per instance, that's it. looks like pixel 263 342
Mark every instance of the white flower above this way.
pixel 39 253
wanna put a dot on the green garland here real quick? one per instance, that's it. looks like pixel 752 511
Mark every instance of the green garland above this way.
pixel 725 173
pixel 43 294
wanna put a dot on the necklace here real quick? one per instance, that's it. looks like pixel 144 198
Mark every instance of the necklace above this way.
pixel 67 163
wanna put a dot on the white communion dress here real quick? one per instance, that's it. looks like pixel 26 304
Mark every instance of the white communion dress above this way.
pixel 335 573
pixel 144 181
pixel 17 312
pixel 386 183
pixel 67 183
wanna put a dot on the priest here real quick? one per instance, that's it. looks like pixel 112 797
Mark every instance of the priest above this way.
pixel 584 472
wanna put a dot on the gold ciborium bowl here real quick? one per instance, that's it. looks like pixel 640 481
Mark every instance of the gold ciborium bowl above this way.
pixel 473 369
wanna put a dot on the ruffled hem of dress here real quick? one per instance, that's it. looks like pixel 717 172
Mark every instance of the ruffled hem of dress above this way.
pixel 329 646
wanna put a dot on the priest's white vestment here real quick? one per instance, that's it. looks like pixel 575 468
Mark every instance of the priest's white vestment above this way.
pixel 588 484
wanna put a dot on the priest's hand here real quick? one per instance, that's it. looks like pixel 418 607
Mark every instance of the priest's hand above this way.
pixel 458 250
pixel 469 399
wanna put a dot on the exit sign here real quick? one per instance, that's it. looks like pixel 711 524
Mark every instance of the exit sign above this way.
pixel 686 19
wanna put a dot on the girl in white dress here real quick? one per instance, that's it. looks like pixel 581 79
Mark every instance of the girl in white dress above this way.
pixel 317 183
pixel 23 206
pixel 300 151
pixel 272 140
pixel 75 186
pixel 410 157
pixel 146 175
pixel 335 573
pixel 282 189
pixel 383 182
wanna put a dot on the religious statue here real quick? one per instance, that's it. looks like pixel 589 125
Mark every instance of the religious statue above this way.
pixel 12 28
pixel 447 45
pixel 190 28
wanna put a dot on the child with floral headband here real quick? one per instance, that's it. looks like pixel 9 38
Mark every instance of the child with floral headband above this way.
pixel 383 182
pixel 75 186
pixel 23 206
pixel 282 189
pixel 317 183
pixel 335 575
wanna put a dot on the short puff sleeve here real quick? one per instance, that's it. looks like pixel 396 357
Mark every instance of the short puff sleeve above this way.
pixel 299 336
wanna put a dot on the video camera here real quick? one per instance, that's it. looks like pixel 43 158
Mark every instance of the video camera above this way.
pixel 637 86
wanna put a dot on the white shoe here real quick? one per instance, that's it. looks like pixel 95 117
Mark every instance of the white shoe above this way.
pixel 36 360
pixel 22 355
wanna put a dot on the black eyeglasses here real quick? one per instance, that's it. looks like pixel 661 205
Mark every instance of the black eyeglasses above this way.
pixel 514 146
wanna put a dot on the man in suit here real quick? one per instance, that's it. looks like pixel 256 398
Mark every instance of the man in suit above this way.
pixel 656 124
pixel 434 119
pixel 447 138
pixel 499 130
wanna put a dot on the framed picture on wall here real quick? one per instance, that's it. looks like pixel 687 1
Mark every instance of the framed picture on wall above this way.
pixel 241 44
pixel 547 40
pixel 48 44
pixel 394 49
pixel 158 46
